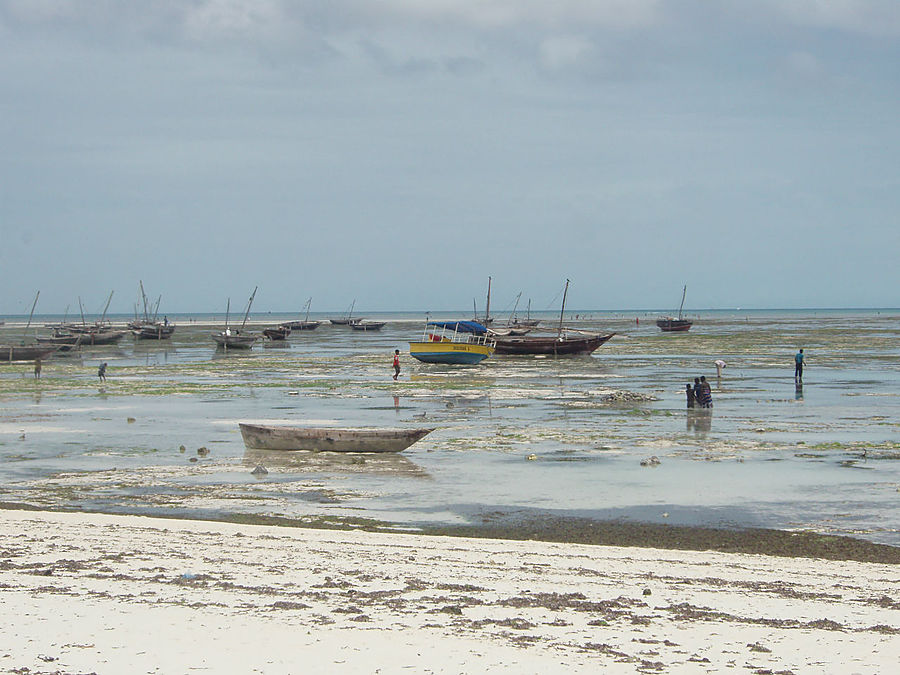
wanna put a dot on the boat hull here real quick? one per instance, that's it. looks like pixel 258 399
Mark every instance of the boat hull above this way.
pixel 367 325
pixel 301 325
pixel 157 332
pixel 9 353
pixel 453 353
pixel 550 345
pixel 234 341
pixel 674 325
pixel 323 439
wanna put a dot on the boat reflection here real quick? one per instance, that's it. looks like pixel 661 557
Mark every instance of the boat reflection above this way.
pixel 383 463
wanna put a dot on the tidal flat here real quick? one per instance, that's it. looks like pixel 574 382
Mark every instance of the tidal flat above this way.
pixel 521 441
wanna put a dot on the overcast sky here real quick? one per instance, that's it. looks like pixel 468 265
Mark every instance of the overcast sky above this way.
pixel 400 151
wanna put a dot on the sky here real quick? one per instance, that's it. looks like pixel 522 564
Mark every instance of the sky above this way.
pixel 399 152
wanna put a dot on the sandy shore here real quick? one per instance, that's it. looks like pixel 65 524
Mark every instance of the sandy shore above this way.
pixel 105 594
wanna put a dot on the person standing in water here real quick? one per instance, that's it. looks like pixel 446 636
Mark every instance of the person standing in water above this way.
pixel 37 368
pixel 689 392
pixel 396 363
pixel 101 372
pixel 798 365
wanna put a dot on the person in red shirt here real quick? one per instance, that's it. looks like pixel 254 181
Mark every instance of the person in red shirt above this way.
pixel 396 363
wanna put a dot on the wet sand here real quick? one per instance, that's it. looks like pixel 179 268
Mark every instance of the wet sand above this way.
pixel 108 594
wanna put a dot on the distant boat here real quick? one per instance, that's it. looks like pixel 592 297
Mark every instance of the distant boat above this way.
pixel 149 327
pixel 25 352
pixel 326 439
pixel 453 342
pixel 564 343
pixel 671 325
pixel 347 319
pixel 279 333
pixel 362 324
pixel 304 324
pixel 235 339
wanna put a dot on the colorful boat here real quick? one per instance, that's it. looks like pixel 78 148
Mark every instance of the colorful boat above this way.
pixel 453 342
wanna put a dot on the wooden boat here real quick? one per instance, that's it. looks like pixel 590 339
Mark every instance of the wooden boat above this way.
pixel 325 439
pixel 236 339
pixel 25 352
pixel 667 324
pixel 304 324
pixel 85 337
pixel 367 325
pixel 564 343
pixel 279 333
pixel 347 319
pixel 154 331
pixel 453 342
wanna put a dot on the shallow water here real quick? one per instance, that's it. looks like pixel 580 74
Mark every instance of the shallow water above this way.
pixel 515 434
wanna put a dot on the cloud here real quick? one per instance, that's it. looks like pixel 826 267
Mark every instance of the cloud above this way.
pixel 567 51
pixel 871 17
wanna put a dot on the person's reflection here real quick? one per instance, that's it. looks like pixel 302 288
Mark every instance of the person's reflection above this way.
pixel 703 423
pixel 798 390
pixel 396 404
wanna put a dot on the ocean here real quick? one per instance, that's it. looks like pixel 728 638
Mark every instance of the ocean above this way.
pixel 567 436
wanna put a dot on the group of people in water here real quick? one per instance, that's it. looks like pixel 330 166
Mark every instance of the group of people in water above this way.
pixel 700 395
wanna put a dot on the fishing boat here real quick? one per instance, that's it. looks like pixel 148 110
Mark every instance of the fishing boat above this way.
pixel 453 342
pixel 566 342
pixel 236 339
pixel 347 319
pixel 279 333
pixel 158 330
pixel 363 324
pixel 25 352
pixel 304 324
pixel 527 322
pixel 668 324
pixel 148 326
pixel 87 338
pixel 326 439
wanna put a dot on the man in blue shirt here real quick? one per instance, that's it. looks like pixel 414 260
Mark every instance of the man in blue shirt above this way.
pixel 798 365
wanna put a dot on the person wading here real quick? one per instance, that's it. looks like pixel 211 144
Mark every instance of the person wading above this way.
pixel 396 363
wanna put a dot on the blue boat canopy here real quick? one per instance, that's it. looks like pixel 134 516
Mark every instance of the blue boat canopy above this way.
pixel 461 326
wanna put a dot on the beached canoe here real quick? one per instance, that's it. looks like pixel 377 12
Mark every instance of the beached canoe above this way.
pixel 327 439
pixel 25 352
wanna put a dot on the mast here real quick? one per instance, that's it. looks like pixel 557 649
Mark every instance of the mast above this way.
pixel 562 311
pixel 249 304
pixel 144 298
pixel 350 313
pixel 33 305
pixel 683 293
pixel 528 315
pixel 103 316
pixel 515 307
pixel 227 309
pixel 308 303
pixel 487 309
pixel 81 307
pixel 156 309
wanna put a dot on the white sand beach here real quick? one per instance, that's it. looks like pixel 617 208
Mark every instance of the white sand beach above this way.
pixel 102 594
